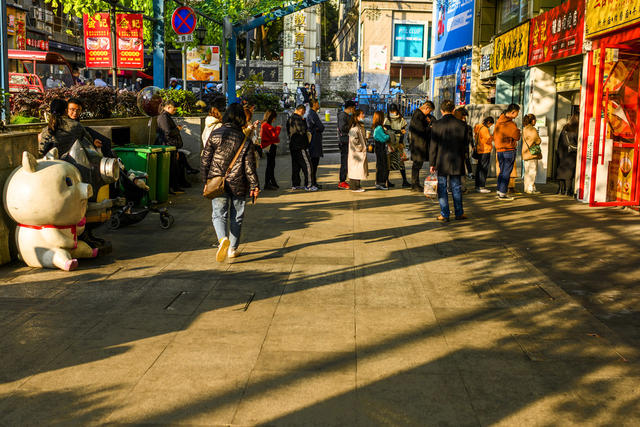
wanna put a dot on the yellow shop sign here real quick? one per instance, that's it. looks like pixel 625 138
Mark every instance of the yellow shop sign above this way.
pixel 511 50
pixel 607 15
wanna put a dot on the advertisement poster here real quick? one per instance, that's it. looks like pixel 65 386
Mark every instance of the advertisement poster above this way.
pixel 608 15
pixel 203 63
pixel 557 33
pixel 130 47
pixel 453 25
pixel 511 49
pixel 97 40
pixel 452 80
pixel 377 57
pixel 408 41
pixel 486 62
pixel 620 182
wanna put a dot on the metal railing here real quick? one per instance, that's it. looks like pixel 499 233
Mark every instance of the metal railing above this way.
pixel 407 103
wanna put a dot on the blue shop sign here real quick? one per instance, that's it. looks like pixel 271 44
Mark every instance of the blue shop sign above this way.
pixel 453 25
pixel 408 41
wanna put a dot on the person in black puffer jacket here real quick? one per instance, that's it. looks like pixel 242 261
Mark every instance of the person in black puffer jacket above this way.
pixel 242 180
pixel 168 133
pixel 298 146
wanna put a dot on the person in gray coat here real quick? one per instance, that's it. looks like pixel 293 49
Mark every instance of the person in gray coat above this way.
pixel 316 127
pixel 447 151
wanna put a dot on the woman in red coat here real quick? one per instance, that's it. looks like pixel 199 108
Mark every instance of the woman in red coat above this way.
pixel 270 137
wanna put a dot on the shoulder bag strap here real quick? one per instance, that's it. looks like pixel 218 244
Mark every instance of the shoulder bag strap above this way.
pixel 233 162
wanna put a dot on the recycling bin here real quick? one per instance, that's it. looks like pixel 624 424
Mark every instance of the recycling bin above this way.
pixel 164 169
pixel 143 159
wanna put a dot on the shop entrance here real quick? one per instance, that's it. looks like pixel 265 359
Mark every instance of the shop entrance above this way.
pixel 616 137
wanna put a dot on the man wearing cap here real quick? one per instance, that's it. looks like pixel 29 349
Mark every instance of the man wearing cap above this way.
pixel 173 84
pixel 363 98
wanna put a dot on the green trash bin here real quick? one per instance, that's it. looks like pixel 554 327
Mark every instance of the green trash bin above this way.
pixel 144 159
pixel 164 168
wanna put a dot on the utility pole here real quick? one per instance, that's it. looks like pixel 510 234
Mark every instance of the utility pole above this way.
pixel 114 40
pixel 359 54
pixel 158 44
pixel 4 61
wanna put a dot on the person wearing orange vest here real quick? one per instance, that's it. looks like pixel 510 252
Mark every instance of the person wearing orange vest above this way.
pixel 506 137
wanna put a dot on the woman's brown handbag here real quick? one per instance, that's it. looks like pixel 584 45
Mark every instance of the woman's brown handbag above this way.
pixel 215 185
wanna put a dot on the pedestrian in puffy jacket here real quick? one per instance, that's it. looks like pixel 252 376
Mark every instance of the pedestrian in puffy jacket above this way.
pixel 298 147
pixel 240 182
pixel 484 141
pixel 530 140
pixel 358 165
pixel 506 137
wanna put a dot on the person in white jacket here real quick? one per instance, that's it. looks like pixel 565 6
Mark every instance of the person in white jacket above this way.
pixel 211 123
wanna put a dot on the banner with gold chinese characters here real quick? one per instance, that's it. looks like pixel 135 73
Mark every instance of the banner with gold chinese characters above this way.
pixel 129 47
pixel 511 49
pixel 97 40
pixel 557 33
pixel 607 15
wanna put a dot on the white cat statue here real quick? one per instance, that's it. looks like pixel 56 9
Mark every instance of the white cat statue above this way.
pixel 48 201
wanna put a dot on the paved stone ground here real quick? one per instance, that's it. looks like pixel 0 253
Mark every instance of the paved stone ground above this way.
pixel 366 311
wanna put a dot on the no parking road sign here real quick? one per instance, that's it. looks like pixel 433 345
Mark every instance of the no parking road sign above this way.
pixel 183 20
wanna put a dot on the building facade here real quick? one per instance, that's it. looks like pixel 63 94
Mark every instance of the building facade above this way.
pixel 392 46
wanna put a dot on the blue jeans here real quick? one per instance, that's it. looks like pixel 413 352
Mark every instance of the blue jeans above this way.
pixel 220 213
pixel 456 192
pixel 506 160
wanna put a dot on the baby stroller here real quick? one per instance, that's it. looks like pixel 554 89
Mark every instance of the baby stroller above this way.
pixel 131 186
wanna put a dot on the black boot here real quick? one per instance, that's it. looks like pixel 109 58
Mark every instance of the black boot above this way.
pixel 405 183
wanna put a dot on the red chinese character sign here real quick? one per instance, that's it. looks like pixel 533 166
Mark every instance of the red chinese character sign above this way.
pixel 97 40
pixel 557 33
pixel 129 29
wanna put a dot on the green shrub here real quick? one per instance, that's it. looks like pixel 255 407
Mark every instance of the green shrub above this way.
pixel 265 101
pixel 20 120
pixel 185 100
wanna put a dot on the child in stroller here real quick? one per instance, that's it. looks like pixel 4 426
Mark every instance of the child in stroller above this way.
pixel 132 187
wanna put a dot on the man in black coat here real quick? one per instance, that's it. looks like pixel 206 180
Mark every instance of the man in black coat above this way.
pixel 316 127
pixel 344 125
pixel 420 131
pixel 298 147
pixel 449 145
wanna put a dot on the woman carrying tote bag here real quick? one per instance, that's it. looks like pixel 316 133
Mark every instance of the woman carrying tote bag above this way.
pixel 531 153
pixel 229 155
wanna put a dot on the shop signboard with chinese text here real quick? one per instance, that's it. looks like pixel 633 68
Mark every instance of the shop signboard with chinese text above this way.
pixel 607 15
pixel 486 62
pixel 97 40
pixel 20 39
pixel 408 41
pixel 453 25
pixel 511 49
pixel 203 63
pixel 557 33
pixel 129 33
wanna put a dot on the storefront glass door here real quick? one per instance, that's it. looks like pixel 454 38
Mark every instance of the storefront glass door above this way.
pixel 616 143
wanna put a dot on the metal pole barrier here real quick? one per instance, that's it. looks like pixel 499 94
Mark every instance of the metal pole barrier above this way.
pixel 114 65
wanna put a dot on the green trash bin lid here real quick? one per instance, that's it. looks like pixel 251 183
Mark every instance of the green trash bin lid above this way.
pixel 164 147
pixel 137 149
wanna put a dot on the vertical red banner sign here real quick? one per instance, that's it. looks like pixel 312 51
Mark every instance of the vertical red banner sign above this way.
pixel 97 40
pixel 557 33
pixel 129 29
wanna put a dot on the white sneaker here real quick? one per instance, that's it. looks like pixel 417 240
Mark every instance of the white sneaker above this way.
pixel 312 188
pixel 359 190
pixel 232 253
pixel 482 190
pixel 223 247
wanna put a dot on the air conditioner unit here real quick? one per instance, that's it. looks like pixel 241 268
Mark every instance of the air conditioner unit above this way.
pixel 36 13
pixel 48 16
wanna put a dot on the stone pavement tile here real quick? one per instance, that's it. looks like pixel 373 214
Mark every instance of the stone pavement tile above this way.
pixel 314 316
pixel 80 406
pixel 306 361
pixel 330 285
pixel 377 286
pixel 298 398
pixel 156 301
pixel 390 354
pixel 415 397
pixel 393 320
pixel 509 398
pixel 222 315
pixel 211 403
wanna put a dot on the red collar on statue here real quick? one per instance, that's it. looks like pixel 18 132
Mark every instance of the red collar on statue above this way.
pixel 73 228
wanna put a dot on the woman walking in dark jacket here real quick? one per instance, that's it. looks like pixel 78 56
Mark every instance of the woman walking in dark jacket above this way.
pixel 242 179
pixel 566 155
pixel 168 133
